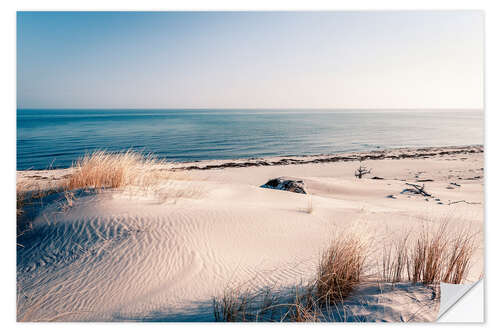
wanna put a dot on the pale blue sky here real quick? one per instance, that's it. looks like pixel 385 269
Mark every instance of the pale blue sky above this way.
pixel 250 60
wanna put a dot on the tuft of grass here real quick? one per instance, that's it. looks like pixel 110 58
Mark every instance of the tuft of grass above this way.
pixel 340 269
pixel 431 255
pixel 427 256
pixel 245 305
pixel 459 257
pixel 441 255
pixel 395 260
pixel 140 174
pixel 338 273
pixel 306 307
pixel 230 307
pixel 102 169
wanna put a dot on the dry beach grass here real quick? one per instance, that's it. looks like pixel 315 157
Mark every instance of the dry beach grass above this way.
pixel 101 169
pixel 429 256
pixel 433 254
pixel 340 268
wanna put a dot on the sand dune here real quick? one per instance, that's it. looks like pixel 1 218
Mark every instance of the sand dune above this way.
pixel 128 255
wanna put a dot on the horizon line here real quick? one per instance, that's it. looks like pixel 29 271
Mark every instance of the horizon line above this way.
pixel 239 108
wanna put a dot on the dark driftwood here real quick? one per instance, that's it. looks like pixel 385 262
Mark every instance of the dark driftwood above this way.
pixel 361 171
pixel 419 189
pixel 467 202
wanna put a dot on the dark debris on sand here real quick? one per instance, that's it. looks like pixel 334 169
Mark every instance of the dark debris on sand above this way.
pixel 296 186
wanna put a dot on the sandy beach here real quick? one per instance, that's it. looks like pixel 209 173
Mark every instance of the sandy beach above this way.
pixel 163 252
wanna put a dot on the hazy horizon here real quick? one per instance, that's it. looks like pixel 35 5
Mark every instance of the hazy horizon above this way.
pixel 372 60
pixel 263 109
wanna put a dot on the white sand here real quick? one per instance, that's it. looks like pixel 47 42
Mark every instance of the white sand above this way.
pixel 125 255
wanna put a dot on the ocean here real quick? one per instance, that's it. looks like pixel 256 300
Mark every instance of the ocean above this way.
pixel 55 138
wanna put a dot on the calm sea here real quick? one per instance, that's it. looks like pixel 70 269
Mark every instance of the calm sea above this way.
pixel 57 137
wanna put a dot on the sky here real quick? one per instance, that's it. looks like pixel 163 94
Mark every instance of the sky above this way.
pixel 338 60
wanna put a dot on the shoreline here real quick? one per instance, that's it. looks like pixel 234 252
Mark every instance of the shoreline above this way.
pixel 393 154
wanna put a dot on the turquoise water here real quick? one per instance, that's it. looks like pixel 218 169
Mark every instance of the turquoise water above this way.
pixel 54 138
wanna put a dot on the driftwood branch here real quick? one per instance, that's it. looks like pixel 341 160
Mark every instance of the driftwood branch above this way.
pixel 467 202
pixel 361 171
pixel 419 189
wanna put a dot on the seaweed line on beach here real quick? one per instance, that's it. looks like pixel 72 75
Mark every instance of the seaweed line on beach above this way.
pixel 374 155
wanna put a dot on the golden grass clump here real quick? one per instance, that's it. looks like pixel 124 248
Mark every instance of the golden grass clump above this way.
pixel 395 260
pixel 431 255
pixel 441 255
pixel 338 273
pixel 340 269
pixel 461 250
pixel 427 256
pixel 306 307
pixel 101 169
